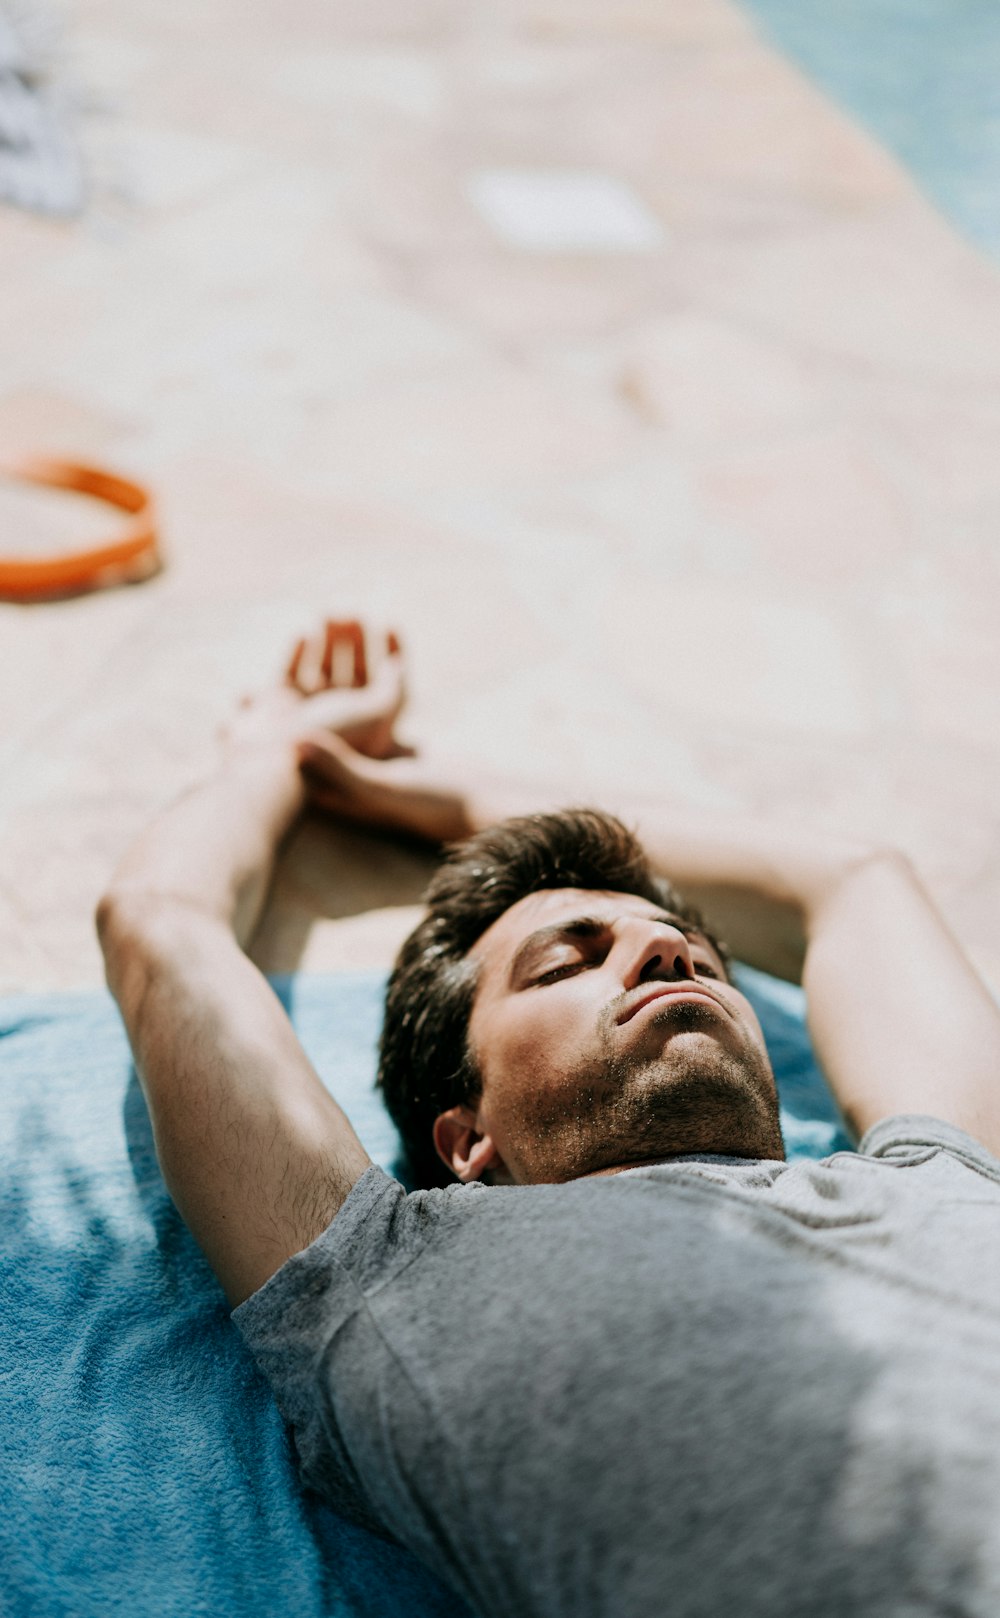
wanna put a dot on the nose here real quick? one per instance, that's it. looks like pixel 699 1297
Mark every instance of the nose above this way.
pixel 653 951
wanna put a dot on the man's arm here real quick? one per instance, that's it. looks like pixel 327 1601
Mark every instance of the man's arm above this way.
pixel 899 1018
pixel 256 1153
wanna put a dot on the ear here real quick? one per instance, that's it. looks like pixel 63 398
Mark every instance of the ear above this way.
pixel 461 1145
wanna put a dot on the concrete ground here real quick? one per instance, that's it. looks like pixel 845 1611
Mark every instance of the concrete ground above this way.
pixel 589 343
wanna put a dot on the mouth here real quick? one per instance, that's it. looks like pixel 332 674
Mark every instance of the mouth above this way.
pixel 670 991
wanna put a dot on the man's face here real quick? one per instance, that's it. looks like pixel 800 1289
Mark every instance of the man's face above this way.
pixel 606 1035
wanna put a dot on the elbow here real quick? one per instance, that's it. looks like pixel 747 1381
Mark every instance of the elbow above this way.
pixel 880 863
pixel 130 911
pixel 116 921
pixel 128 923
pixel 877 857
pixel 108 921
pixel 861 862
pixel 865 875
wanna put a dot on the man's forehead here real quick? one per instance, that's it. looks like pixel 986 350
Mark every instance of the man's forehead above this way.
pixel 548 906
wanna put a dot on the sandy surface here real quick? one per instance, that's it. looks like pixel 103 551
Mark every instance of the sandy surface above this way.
pixel 589 343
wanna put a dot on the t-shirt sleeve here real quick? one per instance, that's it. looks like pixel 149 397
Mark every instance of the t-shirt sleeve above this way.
pixel 912 1138
pixel 308 1329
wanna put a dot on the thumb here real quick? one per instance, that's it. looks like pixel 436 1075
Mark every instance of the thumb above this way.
pixel 327 754
pixel 347 783
pixel 330 763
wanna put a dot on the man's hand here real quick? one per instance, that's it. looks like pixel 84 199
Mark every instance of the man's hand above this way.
pixel 400 794
pixel 336 683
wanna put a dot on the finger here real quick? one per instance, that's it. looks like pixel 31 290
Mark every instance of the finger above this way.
pixel 343 661
pixel 315 753
pixel 331 774
pixel 326 664
pixel 360 672
pixel 325 774
pixel 389 685
pixel 326 755
pixel 295 663
pixel 348 794
pixel 323 797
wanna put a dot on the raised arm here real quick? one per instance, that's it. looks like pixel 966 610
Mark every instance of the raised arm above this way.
pixel 256 1153
pixel 899 1018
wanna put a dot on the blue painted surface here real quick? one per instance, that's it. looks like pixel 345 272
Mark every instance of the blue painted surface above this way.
pixel 923 76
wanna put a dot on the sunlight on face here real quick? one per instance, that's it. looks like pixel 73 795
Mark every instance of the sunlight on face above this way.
pixel 607 1034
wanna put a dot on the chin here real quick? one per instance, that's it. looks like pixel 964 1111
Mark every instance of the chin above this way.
pixel 716 1112
pixel 691 1100
pixel 693 1094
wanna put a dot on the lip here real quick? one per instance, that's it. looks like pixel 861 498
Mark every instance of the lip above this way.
pixel 663 991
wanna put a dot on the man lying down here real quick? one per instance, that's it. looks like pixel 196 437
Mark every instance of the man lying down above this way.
pixel 616 1357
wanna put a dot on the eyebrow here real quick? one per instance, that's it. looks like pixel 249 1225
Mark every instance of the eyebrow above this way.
pixel 532 948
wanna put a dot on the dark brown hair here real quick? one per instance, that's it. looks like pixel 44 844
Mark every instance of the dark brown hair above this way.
pixel 425 1065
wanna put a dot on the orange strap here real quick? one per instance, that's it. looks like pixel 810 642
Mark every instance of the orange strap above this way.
pixel 132 556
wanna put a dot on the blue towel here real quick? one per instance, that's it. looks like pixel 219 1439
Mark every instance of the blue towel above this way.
pixel 144 1468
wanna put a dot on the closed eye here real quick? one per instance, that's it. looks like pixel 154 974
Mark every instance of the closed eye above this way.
pixel 556 972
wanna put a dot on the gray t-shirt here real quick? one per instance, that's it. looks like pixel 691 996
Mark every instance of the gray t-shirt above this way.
pixel 708 1388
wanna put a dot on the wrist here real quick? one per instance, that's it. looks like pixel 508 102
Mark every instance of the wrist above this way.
pixel 269 766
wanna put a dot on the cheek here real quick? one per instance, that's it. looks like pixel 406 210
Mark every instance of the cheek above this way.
pixel 748 1017
pixel 532 1044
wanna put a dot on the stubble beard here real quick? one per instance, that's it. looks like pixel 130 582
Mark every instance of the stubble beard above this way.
pixel 691 1095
